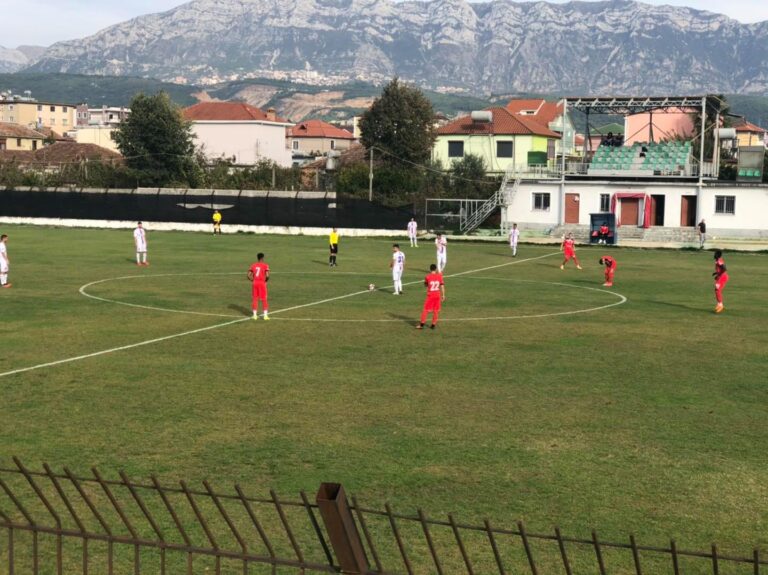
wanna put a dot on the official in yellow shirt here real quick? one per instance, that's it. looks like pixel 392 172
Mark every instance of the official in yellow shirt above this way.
pixel 216 222
pixel 333 239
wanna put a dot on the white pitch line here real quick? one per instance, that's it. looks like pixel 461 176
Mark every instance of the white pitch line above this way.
pixel 216 326
pixel 121 348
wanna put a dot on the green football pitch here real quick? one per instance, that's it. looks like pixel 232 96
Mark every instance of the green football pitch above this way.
pixel 540 396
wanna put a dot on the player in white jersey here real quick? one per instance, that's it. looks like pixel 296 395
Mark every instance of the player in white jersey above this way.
pixel 442 252
pixel 398 266
pixel 5 263
pixel 412 233
pixel 514 235
pixel 140 239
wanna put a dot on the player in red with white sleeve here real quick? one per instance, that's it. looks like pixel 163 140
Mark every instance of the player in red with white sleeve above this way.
pixel 435 296
pixel 259 275
pixel 610 268
pixel 721 278
pixel 569 251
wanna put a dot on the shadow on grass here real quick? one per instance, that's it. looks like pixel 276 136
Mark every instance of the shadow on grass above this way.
pixel 404 318
pixel 681 306
pixel 320 263
pixel 240 309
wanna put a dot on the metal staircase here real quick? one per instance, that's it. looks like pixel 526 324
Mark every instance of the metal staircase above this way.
pixel 471 219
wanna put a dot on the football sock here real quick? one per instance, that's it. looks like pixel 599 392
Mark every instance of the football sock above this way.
pixel 3 279
pixel 138 258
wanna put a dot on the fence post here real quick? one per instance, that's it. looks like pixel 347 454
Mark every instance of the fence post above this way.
pixel 341 528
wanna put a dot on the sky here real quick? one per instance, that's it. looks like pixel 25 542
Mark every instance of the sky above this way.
pixel 50 21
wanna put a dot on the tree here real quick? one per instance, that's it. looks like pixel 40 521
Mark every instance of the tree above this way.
pixel 469 179
pixel 401 123
pixel 157 142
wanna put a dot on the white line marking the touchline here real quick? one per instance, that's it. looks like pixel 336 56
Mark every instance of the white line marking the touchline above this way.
pixel 218 325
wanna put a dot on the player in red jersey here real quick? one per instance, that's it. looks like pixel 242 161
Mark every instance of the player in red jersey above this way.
pixel 569 251
pixel 721 278
pixel 259 275
pixel 610 267
pixel 435 296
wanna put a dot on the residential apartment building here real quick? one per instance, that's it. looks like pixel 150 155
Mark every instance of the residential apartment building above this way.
pixel 104 116
pixel 502 139
pixel 33 114
pixel 239 132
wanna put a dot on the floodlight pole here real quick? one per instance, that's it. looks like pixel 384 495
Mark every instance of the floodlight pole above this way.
pixel 561 206
pixel 716 151
pixel 701 141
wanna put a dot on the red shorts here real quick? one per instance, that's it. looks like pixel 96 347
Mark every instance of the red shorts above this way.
pixel 259 291
pixel 432 303
pixel 721 281
pixel 569 254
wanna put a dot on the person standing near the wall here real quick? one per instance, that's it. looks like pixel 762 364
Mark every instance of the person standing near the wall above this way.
pixel 514 235
pixel 216 222
pixel 333 240
pixel 140 240
pixel 702 233
pixel 413 232
pixel 5 263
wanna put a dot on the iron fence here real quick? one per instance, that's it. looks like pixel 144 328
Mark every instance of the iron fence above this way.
pixel 60 522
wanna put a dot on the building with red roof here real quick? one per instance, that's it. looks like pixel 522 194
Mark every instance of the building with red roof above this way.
pixel 239 132
pixel 315 137
pixel 17 137
pixel 503 139
pixel 550 115
pixel 749 134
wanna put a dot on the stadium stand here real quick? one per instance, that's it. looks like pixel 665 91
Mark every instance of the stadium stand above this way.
pixel 641 159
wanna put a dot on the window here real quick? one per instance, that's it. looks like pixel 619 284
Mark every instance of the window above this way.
pixel 503 149
pixel 541 201
pixel 34 144
pixel 333 144
pixel 53 108
pixel 295 144
pixel 63 108
pixel 550 149
pixel 53 121
pixel 725 204
pixel 18 142
pixel 456 149
pixel 10 106
pixel 39 107
pixel 2 143
pixel 10 119
pixel 605 202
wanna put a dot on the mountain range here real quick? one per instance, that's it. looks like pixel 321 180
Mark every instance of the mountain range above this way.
pixel 605 47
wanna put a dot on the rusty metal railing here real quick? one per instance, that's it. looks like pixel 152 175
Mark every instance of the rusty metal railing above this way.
pixel 60 522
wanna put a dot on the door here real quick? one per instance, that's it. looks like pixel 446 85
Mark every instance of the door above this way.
pixel 630 209
pixel 688 211
pixel 571 208
pixel 657 210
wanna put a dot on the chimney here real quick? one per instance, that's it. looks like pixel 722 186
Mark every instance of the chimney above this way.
pixel 271 114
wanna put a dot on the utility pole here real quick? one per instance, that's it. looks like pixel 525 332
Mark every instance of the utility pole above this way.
pixel 370 178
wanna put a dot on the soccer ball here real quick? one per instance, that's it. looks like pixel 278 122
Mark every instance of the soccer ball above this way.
pixel 371 287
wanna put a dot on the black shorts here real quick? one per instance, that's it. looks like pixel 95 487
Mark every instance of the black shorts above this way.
pixel 334 248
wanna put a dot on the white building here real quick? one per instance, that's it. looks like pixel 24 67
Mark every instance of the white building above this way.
pixel 729 209
pixel 240 132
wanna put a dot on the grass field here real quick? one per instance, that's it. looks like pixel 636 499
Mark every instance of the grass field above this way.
pixel 646 415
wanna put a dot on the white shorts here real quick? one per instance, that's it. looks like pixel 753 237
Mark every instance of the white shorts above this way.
pixel 397 274
pixel 442 258
pixel 141 247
